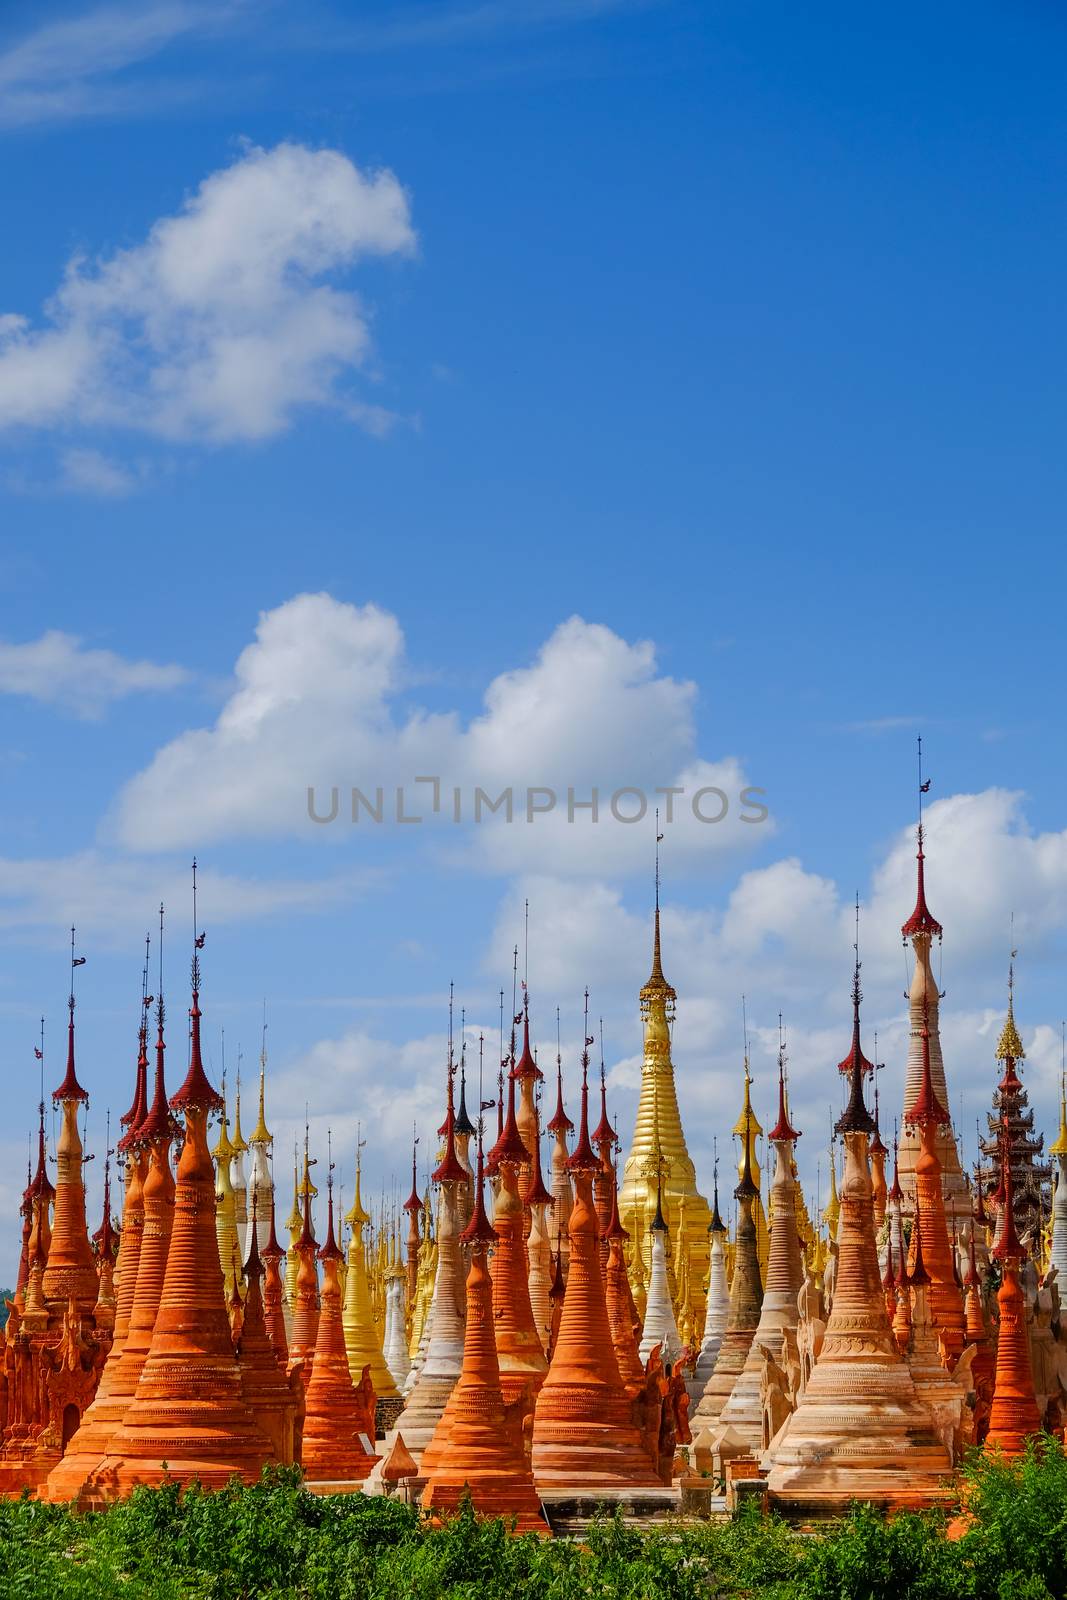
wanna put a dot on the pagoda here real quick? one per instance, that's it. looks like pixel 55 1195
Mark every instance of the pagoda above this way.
pixel 338 1430
pixel 585 1439
pixel 658 1110
pixel 1012 1120
pixel 1014 1416
pixel 276 1399
pixel 920 930
pixel 477 1449
pixel 718 1311
pixel 189 1418
pixel 746 1301
pixel 944 1294
pixel 70 1271
pixel 304 1328
pixel 520 1350
pixel 562 1190
pixel 859 1430
pixel 361 1337
pixel 260 1176
pixel 740 1430
pixel 1058 1150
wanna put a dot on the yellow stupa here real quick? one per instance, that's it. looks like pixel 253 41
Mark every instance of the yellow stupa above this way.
pixel 658 1133
pixel 832 1209
pixel 225 1203
pixel 294 1226
pixel 362 1339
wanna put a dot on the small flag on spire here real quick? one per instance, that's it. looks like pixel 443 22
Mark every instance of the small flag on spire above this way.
pixel 79 961
pixel 924 788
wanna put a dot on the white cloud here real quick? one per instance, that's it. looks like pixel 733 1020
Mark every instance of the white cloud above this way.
pixel 110 898
pixel 317 704
pixel 66 69
pixel 89 472
pixel 219 326
pixel 59 669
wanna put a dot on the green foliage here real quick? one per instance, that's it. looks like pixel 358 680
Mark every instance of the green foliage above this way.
pixel 5 1310
pixel 276 1540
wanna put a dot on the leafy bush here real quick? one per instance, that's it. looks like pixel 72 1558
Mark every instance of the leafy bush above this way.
pixel 275 1540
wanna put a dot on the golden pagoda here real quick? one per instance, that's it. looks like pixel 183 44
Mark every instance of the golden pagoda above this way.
pixel 225 1200
pixel 658 1117
pixel 362 1338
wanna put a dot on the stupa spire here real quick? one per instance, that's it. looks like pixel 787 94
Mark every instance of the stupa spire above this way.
pixel 189 1416
pixel 361 1337
pixel 559 1127
pixel 859 1414
pixel 70 1271
pixel 337 1411
pixel 659 1101
pixel 931 1226
pixel 1014 1416
pixel 583 1431
pixel 477 1446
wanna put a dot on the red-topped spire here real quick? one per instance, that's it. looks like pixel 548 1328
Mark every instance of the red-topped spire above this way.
pixel 921 920
pixel 413 1205
pixel 272 1250
pixel 331 1250
pixel 196 1090
pixel 560 1120
pixel 603 1135
pixel 896 1193
pixel 927 1107
pixel 856 1118
pixel 509 1146
pixel 536 1193
pixel 463 1121
pixel 106 1238
pixel 41 1187
pixel 1009 1246
pixel 70 1088
pixel 450 1169
pixel 782 1132
pixel 157 1123
pixel 526 1066
pixel 582 1158
pixel 307 1240
pixel 140 1093
pixel 876 1146
pixel 479 1229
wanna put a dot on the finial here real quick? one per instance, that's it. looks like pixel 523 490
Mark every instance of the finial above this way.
pixel 479 1230
pixel 856 1118
pixel 70 1088
pixel 1010 1046
pixel 782 1132
pixel 583 1158
pixel 526 948
pixel 196 1091
pixel 921 922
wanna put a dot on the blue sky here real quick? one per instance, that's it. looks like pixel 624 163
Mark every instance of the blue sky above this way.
pixel 734 332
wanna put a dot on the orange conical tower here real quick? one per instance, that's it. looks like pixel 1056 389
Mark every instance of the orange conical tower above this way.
pixel 274 1292
pixel 878 1153
pixel 584 1436
pixel 945 1300
pixel 135 1167
pixel 148 1141
pixel 70 1273
pixel 562 1189
pixel 859 1430
pixel 1014 1416
pixel 622 1313
pixel 305 1327
pixel 337 1414
pixel 477 1447
pixel 519 1349
pixel 276 1401
pixel 527 1075
pixel 604 1142
pixel 920 930
pixel 189 1417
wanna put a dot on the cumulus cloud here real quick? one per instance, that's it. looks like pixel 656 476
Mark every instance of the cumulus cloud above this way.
pixel 318 704
pixel 60 669
pixel 223 322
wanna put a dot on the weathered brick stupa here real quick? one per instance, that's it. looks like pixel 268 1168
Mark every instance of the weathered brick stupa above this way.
pixel 189 1418
pixel 520 1352
pixel 304 1327
pixel 921 929
pixel 622 1313
pixel 584 1436
pixel 149 1145
pixel 1014 1416
pixel 274 1292
pixel 740 1426
pixel 746 1301
pixel 70 1271
pixel 439 1372
pixel 276 1399
pixel 338 1433
pixel 477 1449
pixel 944 1295
pixel 562 1189
pixel 859 1431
